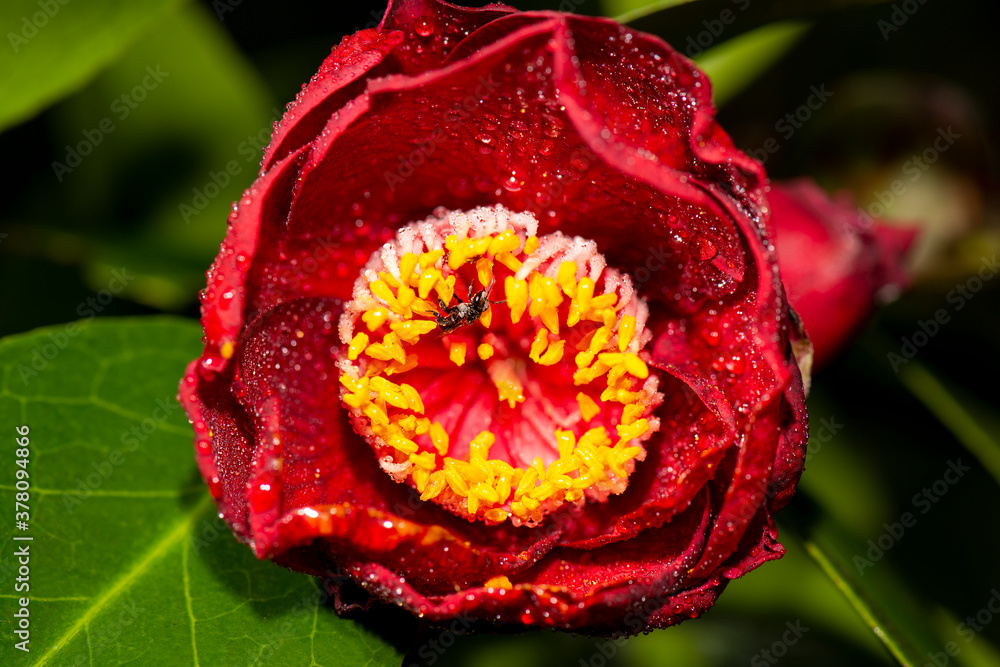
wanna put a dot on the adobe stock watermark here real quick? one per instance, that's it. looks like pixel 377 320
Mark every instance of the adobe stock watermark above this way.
pixel 957 297
pixel 130 440
pixel 714 28
pixel 900 14
pixel 792 122
pixel 913 169
pixel 30 25
pixel 87 310
pixel 250 149
pixel 967 630
pixel 779 649
pixel 923 501
pixel 120 107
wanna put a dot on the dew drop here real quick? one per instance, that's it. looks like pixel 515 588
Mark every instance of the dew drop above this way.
pixel 424 27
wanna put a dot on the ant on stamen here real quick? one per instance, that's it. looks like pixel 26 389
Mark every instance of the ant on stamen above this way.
pixel 452 317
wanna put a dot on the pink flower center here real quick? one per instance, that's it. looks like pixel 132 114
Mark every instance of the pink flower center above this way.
pixel 499 373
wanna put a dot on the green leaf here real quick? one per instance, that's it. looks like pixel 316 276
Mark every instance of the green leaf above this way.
pixel 957 411
pixel 733 65
pixel 882 601
pixel 128 561
pixel 55 46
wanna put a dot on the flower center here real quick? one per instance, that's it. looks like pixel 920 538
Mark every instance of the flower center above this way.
pixel 493 405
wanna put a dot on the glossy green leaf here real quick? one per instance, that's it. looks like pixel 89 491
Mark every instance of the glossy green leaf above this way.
pixel 128 562
pixel 55 46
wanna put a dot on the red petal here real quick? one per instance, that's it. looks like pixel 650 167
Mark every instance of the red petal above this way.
pixel 833 261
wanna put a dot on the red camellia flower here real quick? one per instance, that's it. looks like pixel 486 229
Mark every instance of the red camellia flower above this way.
pixel 835 261
pixel 498 331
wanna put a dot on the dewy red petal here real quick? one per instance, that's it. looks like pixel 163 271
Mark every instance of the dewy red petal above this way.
pixel 510 264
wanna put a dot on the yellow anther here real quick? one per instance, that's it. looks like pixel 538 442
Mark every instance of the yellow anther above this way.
pixel 626 329
pixel 539 344
pixel 381 290
pixel 527 482
pixel 484 271
pixel 457 353
pixel 584 359
pixel 485 351
pixel 627 432
pixel 502 468
pixel 554 354
pixel 477 247
pixel 458 253
pixel 472 503
pixel 595 437
pixel 632 412
pixel 405 296
pixel 354 385
pixel 407 263
pixel 566 442
pixel 562 482
pixel 439 437
pixel 505 242
pixel 588 408
pixel 600 340
pixel 358 345
pixel 427 281
pixel 566 277
pixel 580 305
pixel 636 366
pixel 611 358
pixel 456 482
pixel 410 331
pixel 487 317
pixel 402 443
pixel 498 515
pixel 543 491
pixel 408 365
pixel 564 465
pixel 479 448
pixel 389 392
pixel 573 495
pixel 589 374
pixel 376 414
pixel 445 288
pixel 538 465
pixel 435 485
pixel 530 245
pixel 424 460
pixel 619 457
pixel 429 259
pixel 227 350
pixel 603 301
pixel 421 476
pixel 388 349
pixel 485 492
pixel 413 400
pixel 375 317
pixel 508 260
pixel 504 378
pixel 407 423
pixel 423 426
pixel 516 292
pixel 388 279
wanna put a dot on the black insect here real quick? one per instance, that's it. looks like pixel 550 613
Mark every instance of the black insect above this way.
pixel 453 317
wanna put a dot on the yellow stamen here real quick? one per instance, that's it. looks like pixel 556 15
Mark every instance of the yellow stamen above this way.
pixel 435 486
pixel 439 437
pixel 445 288
pixel 410 331
pixel 632 412
pixel 375 317
pixel 566 277
pixel 485 351
pixel 530 245
pixel 566 442
pixel 457 353
pixel 539 344
pixel 427 281
pixel 628 432
pixel 358 344
pixel 516 292
pixel 554 354
pixel 588 408
pixel 626 329
pixel 484 271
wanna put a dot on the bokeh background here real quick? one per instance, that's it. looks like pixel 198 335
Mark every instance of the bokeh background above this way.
pixel 121 178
